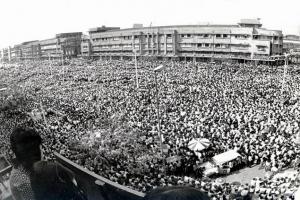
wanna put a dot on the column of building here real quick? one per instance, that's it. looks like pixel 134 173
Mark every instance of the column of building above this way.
pixel 165 44
pixel 174 42
pixel 141 43
pixel 157 44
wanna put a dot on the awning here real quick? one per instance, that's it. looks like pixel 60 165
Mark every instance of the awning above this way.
pixel 225 157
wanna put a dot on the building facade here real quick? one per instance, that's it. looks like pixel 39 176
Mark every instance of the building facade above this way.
pixel 63 45
pixel 85 46
pixel 291 43
pixel 246 40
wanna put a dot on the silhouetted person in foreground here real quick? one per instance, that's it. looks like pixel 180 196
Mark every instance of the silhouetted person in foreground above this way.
pixel 25 143
pixel 176 193
pixel 34 179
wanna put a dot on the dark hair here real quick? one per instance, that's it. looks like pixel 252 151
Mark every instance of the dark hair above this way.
pixel 178 193
pixel 25 143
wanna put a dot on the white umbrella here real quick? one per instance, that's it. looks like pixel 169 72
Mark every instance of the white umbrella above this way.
pixel 297 194
pixel 198 144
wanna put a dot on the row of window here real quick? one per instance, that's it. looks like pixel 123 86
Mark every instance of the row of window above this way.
pixel 212 35
pixel 161 45
pixel 190 45
pixel 219 36
pixel 183 45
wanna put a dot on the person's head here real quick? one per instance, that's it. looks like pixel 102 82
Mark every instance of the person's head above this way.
pixel 178 193
pixel 25 143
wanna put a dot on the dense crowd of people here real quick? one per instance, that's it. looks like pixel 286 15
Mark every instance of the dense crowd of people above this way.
pixel 92 113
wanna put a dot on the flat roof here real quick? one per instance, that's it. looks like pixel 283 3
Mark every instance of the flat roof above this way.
pixel 176 26
pixel 250 21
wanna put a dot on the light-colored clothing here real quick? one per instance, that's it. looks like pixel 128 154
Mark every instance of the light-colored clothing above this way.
pixel 20 184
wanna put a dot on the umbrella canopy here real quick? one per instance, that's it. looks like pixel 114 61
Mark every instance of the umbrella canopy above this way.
pixel 220 181
pixel 297 194
pixel 198 144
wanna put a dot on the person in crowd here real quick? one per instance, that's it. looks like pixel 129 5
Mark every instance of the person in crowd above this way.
pixel 35 179
pixel 25 143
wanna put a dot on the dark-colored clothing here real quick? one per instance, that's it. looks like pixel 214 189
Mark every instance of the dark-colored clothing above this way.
pixel 52 181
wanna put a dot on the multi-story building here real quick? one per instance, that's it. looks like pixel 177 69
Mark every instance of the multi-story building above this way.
pixel 29 50
pixel 291 43
pixel 246 40
pixel 6 54
pixel 50 48
pixel 62 46
pixel 242 41
pixel 95 37
pixel 85 46
pixel 69 43
pixel 15 53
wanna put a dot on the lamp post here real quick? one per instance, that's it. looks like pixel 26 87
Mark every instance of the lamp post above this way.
pixel 157 70
pixel 284 72
pixel 136 71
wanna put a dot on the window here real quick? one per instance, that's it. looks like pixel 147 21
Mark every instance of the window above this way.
pixel 169 35
pixel 225 36
pixel 188 35
pixel 206 45
pixel 261 48
pixel 186 45
pixel 217 45
pixel 206 36
pixel 182 35
pixel 218 35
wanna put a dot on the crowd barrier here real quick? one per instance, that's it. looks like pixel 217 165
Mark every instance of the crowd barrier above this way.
pixel 97 187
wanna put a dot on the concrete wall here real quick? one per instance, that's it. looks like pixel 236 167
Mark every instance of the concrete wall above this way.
pixel 105 190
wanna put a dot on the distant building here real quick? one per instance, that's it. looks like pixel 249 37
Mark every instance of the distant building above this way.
pixel 85 46
pixel 250 23
pixel 245 40
pixel 28 50
pixel 96 40
pixel 63 45
pixel 70 43
pixel 5 54
pixel 291 43
pixel 50 48
pixel 137 26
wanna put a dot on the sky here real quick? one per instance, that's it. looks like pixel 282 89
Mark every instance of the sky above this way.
pixel 26 20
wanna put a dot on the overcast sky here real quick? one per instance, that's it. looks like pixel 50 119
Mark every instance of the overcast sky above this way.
pixel 25 20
